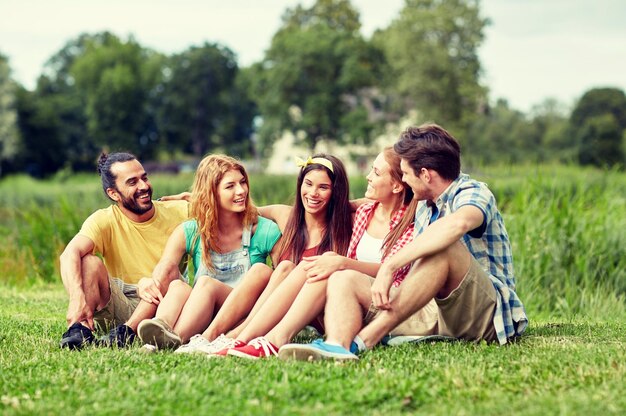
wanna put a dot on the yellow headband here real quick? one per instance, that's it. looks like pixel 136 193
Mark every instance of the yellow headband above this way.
pixel 314 160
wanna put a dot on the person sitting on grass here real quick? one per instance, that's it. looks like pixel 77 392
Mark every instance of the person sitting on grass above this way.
pixel 319 221
pixel 226 239
pixel 381 228
pixel 130 236
pixel 460 256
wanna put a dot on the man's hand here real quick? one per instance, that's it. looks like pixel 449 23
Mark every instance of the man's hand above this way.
pixel 79 311
pixel 380 288
pixel 149 290
pixel 321 267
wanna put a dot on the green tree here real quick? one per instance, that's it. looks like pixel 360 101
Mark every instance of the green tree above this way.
pixel 598 123
pixel 9 137
pixel 432 53
pixel 202 108
pixel 313 76
pixel 115 78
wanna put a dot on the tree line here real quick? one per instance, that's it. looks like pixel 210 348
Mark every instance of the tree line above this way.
pixel 320 79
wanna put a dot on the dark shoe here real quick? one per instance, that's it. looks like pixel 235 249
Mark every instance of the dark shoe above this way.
pixel 76 337
pixel 121 336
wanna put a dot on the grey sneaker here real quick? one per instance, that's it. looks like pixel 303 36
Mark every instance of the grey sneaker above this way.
pixel 157 332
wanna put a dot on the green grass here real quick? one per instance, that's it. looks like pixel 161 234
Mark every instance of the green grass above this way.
pixel 559 367
pixel 566 226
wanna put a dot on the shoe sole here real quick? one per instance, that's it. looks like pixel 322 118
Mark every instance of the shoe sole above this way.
pixel 303 352
pixel 240 354
pixel 152 332
pixel 417 339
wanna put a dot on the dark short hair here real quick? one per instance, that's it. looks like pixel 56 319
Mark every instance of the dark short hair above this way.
pixel 105 161
pixel 432 147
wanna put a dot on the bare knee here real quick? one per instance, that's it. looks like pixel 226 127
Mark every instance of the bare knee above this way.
pixel 285 267
pixel 92 266
pixel 177 285
pixel 342 280
pixel 205 283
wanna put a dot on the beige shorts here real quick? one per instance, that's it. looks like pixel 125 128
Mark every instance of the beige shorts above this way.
pixel 467 313
pixel 422 322
pixel 122 303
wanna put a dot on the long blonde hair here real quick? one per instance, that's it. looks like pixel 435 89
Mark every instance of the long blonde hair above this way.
pixel 205 202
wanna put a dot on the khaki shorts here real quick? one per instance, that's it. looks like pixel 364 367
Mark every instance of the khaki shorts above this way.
pixel 467 313
pixel 422 322
pixel 122 303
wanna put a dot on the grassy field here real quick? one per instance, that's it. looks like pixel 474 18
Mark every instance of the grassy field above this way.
pixel 566 226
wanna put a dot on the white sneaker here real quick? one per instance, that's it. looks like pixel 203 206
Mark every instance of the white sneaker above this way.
pixel 148 349
pixel 193 344
pixel 218 344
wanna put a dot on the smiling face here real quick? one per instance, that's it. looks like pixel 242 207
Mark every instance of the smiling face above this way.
pixel 233 191
pixel 380 184
pixel 133 191
pixel 414 180
pixel 316 191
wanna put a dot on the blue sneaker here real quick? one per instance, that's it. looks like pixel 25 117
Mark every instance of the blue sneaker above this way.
pixel 317 350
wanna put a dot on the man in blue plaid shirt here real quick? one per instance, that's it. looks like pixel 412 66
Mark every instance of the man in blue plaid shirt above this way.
pixel 461 257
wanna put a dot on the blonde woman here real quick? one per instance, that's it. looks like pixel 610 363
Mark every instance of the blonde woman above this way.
pixel 226 239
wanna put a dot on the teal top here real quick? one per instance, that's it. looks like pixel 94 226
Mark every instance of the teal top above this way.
pixel 261 243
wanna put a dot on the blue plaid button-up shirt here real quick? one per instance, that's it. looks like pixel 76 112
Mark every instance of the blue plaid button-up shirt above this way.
pixel 489 244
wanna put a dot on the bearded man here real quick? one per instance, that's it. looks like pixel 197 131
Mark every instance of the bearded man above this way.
pixel 114 249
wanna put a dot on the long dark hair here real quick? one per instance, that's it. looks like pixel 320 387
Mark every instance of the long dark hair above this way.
pixel 338 214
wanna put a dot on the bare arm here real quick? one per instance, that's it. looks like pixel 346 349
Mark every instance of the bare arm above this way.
pixel 184 196
pixel 438 236
pixel 321 267
pixel 152 289
pixel 72 276
pixel 278 213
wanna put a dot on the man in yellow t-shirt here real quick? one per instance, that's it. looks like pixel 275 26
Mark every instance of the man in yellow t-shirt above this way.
pixel 130 237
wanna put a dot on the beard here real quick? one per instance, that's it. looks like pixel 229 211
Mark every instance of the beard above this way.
pixel 133 205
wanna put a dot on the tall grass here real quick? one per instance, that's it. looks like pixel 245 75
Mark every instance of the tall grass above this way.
pixel 566 225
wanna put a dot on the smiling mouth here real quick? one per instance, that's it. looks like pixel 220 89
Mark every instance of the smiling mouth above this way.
pixel 144 197
pixel 239 201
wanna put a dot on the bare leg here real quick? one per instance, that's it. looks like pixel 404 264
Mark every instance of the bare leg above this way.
pixel 95 284
pixel 144 310
pixel 277 277
pixel 276 306
pixel 308 304
pixel 207 296
pixel 348 299
pixel 240 301
pixel 437 275
pixel 170 308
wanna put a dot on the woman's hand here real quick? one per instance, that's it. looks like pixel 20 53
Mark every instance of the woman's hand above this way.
pixel 149 290
pixel 321 267
pixel 183 196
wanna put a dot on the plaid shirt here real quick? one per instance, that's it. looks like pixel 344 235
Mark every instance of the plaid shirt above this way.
pixel 489 245
pixel 362 219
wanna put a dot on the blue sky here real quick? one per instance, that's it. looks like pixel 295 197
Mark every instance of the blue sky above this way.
pixel 534 49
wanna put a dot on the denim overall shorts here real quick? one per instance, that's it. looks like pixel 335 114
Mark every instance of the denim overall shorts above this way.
pixel 232 266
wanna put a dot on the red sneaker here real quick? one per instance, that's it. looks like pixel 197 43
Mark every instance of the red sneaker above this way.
pixel 224 351
pixel 257 348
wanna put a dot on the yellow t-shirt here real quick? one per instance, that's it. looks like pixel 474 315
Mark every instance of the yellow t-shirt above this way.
pixel 131 249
